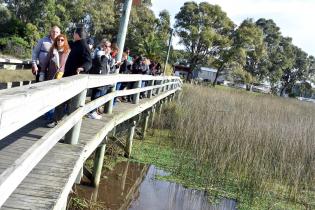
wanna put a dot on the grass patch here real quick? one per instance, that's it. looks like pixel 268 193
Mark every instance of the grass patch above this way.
pixel 161 151
pixel 16 75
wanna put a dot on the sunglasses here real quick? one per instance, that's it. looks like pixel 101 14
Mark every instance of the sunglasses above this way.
pixel 60 40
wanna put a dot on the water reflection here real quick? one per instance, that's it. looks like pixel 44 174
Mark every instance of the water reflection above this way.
pixel 133 186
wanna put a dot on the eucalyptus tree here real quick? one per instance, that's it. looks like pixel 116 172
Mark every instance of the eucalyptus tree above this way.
pixel 154 44
pixel 163 26
pixel 299 71
pixel 276 59
pixel 203 30
pixel 148 35
pixel 311 67
pixel 249 38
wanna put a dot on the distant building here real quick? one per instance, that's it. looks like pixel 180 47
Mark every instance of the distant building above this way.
pixel 207 74
pixel 182 71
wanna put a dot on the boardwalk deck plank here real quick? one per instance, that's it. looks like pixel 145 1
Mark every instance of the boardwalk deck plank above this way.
pixel 55 174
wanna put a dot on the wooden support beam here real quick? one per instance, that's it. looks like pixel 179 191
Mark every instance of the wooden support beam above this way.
pixel 158 90
pixel 163 87
pixel 9 85
pixel 98 164
pixel 153 116
pixel 136 97
pixel 72 136
pixel 170 98
pixel 79 177
pixel 130 139
pixel 124 177
pixel 160 108
pixel 150 92
pixel 110 104
pixel 145 124
pixel 87 173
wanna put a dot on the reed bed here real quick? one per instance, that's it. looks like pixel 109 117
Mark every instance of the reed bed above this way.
pixel 16 75
pixel 260 143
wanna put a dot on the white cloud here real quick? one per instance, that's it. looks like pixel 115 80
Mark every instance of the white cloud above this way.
pixel 294 17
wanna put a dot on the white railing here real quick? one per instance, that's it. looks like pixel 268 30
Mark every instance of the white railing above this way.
pixel 20 106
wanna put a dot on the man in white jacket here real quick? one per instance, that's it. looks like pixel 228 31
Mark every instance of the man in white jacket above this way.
pixel 40 52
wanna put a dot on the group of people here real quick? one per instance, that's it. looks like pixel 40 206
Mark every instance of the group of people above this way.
pixel 55 57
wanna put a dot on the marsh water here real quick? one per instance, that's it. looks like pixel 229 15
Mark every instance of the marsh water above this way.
pixel 134 186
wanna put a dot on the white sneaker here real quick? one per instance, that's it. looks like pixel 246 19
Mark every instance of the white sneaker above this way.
pixel 94 115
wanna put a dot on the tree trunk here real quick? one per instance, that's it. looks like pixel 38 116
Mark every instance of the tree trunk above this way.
pixel 282 90
pixel 249 87
pixel 217 75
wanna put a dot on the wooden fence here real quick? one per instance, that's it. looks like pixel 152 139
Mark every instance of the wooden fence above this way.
pixel 22 105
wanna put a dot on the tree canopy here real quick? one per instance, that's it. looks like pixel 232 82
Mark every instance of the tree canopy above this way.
pixel 254 51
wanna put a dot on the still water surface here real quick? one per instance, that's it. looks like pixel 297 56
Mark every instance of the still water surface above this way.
pixel 133 186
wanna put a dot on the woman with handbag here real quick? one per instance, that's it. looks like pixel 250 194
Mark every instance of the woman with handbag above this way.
pixel 54 68
pixel 57 57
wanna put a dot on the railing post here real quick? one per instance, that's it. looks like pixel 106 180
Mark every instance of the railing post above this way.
pixel 130 139
pixel 150 92
pixel 136 96
pixel 9 85
pixel 153 116
pixel 166 86
pixel 158 91
pixel 163 88
pixel 98 164
pixel 160 107
pixel 72 136
pixel 110 104
pixel 145 123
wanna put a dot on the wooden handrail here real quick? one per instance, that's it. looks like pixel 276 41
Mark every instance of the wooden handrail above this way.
pixel 20 106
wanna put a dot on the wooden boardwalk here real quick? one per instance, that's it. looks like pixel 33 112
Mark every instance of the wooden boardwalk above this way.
pixel 50 181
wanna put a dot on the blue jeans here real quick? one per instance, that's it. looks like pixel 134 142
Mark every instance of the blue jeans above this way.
pixel 49 115
pixel 98 92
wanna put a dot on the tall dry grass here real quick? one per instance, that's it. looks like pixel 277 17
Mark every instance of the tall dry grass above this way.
pixel 16 75
pixel 262 142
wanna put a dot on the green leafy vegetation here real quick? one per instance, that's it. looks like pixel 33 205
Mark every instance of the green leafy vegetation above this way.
pixel 21 27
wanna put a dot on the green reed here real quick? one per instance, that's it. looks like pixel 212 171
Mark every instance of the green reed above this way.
pixel 259 143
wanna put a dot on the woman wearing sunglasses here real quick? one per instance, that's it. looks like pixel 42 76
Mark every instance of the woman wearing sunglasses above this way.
pixel 54 67
pixel 57 58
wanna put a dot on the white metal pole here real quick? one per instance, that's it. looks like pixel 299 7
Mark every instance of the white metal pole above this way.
pixel 123 26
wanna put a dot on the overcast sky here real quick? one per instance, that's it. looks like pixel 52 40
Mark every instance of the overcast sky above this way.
pixel 294 17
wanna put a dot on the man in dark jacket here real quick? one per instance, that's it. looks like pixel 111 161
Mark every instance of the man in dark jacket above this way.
pixel 79 59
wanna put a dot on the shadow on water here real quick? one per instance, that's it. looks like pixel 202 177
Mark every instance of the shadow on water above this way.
pixel 133 186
